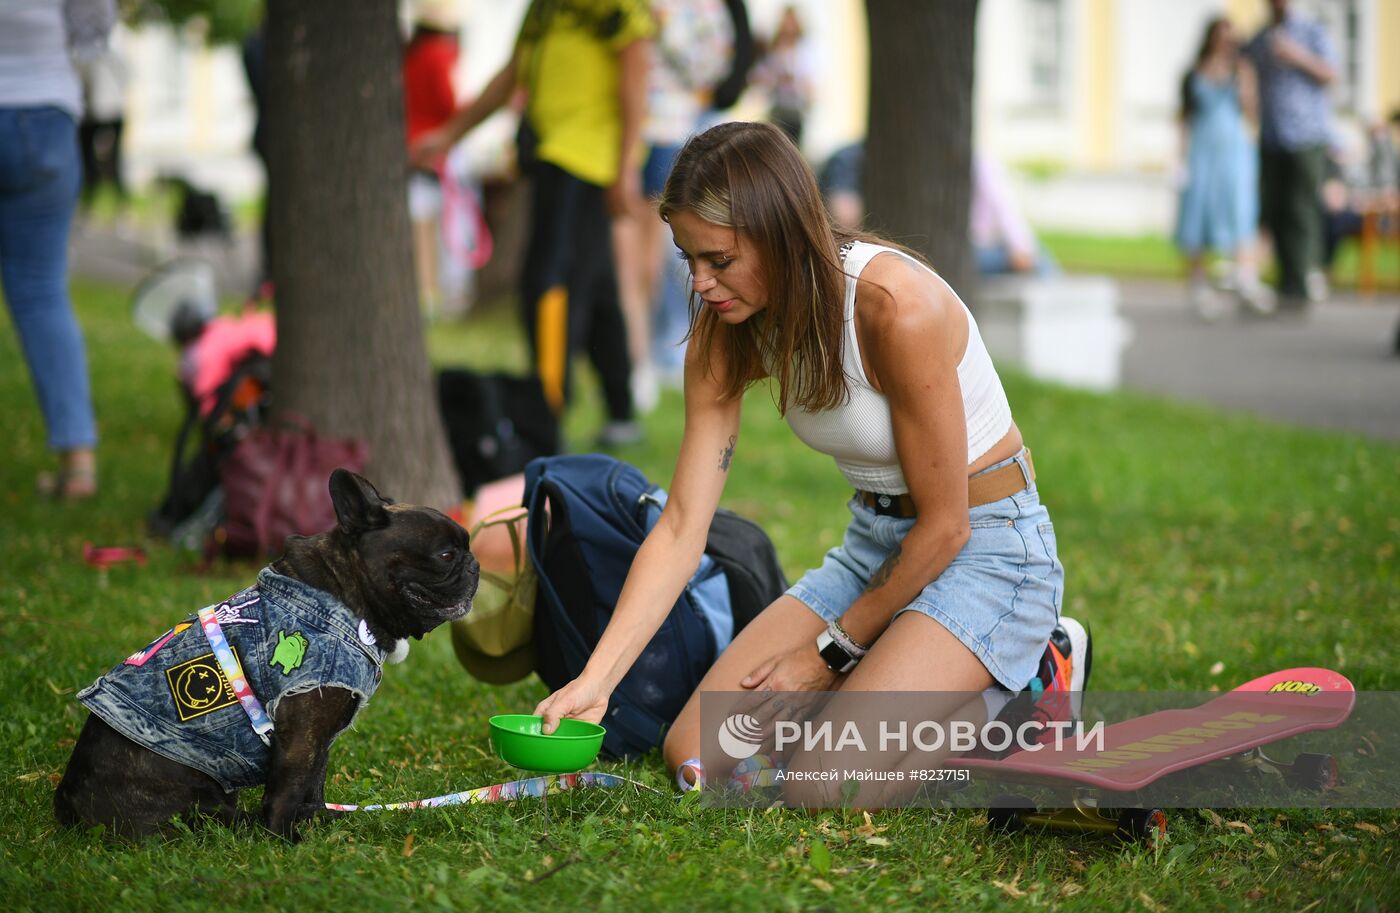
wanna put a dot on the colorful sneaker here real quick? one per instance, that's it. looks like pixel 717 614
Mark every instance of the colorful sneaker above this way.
pixel 1056 692
pixel 1058 689
pixel 1067 660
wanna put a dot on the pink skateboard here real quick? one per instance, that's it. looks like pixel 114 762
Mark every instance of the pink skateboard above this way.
pixel 1137 752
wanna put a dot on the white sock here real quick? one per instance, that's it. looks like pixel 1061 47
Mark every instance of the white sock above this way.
pixel 996 699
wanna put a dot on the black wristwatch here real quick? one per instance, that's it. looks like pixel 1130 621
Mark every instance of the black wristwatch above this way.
pixel 835 656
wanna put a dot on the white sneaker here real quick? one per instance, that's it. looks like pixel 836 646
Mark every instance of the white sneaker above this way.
pixel 1258 297
pixel 646 392
pixel 1206 301
pixel 620 434
pixel 1315 285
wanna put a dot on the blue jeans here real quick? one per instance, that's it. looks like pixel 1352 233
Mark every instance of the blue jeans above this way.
pixel 672 308
pixel 40 174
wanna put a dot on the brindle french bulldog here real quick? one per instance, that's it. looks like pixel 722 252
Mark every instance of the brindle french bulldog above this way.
pixel 168 734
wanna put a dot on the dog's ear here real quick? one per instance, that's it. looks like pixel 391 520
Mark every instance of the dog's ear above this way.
pixel 359 508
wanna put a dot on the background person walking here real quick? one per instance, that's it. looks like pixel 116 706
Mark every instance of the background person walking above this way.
pixel 583 63
pixel 1295 63
pixel 1219 205
pixel 40 174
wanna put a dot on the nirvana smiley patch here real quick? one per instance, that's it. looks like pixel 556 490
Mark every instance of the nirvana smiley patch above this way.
pixel 198 686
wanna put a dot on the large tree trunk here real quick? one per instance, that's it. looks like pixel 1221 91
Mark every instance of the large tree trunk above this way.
pixel 918 156
pixel 350 350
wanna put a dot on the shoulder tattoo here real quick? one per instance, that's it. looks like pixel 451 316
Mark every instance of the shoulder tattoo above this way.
pixel 726 456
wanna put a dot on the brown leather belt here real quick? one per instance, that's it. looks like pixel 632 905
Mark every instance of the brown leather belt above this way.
pixel 983 488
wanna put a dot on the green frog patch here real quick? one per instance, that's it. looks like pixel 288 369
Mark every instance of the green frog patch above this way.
pixel 290 651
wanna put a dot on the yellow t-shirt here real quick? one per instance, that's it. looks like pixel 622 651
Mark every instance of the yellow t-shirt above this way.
pixel 568 57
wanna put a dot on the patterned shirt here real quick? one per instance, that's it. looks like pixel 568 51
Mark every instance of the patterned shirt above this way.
pixel 1294 108
pixel 692 51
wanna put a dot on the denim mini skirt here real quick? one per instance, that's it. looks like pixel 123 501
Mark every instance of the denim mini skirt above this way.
pixel 1000 596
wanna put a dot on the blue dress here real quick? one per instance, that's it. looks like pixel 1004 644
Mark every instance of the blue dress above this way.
pixel 1219 206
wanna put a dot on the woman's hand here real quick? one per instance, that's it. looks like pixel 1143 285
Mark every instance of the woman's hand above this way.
pixel 580 699
pixel 801 669
pixel 430 148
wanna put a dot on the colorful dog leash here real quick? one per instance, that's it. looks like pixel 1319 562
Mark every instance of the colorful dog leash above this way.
pixel 214 633
pixel 532 788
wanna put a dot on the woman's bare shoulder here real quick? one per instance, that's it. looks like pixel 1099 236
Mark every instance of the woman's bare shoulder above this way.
pixel 897 294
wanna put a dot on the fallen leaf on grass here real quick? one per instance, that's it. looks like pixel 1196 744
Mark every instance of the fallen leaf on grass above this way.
pixel 408 846
pixel 25 778
pixel 877 841
pixel 1255 893
pixel 822 885
pixel 1368 827
pixel 1010 888
pixel 1240 825
pixel 868 829
pixel 1215 819
pixel 1071 888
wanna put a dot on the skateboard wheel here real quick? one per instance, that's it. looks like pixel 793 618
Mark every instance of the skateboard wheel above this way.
pixel 1317 772
pixel 1006 813
pixel 1147 826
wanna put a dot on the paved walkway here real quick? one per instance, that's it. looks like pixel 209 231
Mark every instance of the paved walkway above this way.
pixel 1335 367
pixel 123 257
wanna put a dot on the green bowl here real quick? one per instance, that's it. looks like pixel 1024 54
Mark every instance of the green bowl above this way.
pixel 520 741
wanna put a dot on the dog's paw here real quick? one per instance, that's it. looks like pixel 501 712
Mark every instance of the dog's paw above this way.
pixel 313 812
pixel 399 653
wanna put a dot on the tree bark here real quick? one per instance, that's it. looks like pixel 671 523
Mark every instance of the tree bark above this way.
pixel 918 156
pixel 351 356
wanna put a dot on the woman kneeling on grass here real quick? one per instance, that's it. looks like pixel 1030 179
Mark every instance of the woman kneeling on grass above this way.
pixel 947 580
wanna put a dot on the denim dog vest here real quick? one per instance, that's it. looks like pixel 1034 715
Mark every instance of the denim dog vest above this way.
pixel 288 638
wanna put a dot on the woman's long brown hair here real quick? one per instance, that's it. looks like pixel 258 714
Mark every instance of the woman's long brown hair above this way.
pixel 751 178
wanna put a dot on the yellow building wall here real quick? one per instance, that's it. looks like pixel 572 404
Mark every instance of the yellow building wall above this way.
pixel 1248 16
pixel 851 88
pixel 1386 48
pixel 1101 101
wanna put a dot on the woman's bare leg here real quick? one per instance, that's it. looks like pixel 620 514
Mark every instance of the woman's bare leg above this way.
pixel 915 654
pixel 785 624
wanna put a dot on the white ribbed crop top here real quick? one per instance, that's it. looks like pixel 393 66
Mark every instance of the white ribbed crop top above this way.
pixel 859 433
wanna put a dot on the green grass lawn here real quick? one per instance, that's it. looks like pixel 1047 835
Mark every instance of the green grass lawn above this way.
pixel 1203 548
pixel 1155 257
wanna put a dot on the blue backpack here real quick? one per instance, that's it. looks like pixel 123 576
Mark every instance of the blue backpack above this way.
pixel 599 511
